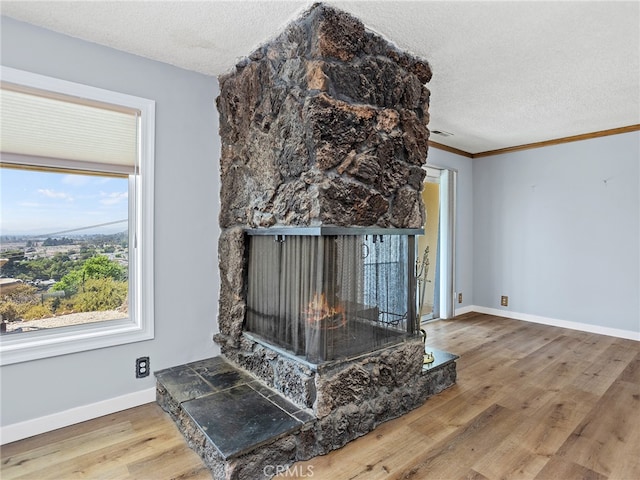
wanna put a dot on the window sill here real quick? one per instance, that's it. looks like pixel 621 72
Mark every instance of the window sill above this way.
pixel 26 346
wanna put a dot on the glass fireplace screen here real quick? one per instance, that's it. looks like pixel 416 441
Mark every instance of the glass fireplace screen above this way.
pixel 331 297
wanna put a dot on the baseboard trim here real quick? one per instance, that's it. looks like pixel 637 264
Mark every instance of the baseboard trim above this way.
pixel 463 310
pixel 554 322
pixel 29 428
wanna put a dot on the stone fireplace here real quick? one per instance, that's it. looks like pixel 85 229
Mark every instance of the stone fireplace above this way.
pixel 326 294
pixel 324 137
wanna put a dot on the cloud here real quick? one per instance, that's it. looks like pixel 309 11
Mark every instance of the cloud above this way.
pixel 113 198
pixel 53 194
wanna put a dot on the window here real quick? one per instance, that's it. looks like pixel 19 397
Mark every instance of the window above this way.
pixel 76 217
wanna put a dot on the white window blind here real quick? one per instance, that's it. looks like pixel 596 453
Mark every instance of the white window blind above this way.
pixel 47 130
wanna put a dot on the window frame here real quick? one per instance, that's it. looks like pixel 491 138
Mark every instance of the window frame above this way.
pixel 27 346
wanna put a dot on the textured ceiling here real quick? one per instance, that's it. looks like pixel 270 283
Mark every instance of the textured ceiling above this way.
pixel 505 73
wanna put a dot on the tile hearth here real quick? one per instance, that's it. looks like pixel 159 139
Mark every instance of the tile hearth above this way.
pixel 238 425
pixel 234 411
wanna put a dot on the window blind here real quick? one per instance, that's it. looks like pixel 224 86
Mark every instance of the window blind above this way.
pixel 49 130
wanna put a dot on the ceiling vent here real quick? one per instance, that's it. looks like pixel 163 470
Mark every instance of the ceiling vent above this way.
pixel 442 133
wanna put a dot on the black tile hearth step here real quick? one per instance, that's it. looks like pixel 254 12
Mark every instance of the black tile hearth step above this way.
pixel 234 411
pixel 440 359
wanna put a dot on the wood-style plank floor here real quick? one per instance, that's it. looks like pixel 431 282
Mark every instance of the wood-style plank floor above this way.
pixel 531 402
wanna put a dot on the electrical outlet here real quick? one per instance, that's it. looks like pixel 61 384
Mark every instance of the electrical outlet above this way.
pixel 459 298
pixel 504 301
pixel 142 367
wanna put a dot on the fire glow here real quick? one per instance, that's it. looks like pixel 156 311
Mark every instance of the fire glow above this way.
pixel 320 314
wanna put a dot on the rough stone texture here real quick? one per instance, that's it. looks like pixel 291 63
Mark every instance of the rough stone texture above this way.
pixel 293 379
pixel 323 90
pixel 368 378
pixel 332 385
pixel 324 125
pixel 396 395
pixel 232 307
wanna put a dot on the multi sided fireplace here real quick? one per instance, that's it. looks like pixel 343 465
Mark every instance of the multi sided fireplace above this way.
pixel 331 293
pixel 324 137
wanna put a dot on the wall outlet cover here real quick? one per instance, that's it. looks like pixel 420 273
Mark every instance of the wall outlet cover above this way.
pixel 142 367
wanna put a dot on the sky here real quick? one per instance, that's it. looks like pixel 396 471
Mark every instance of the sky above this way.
pixel 39 203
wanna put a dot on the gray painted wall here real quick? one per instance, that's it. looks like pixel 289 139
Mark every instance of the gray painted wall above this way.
pixel 186 224
pixel 540 226
pixel 464 219
pixel 557 230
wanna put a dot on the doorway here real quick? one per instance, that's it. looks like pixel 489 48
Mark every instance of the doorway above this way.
pixel 436 248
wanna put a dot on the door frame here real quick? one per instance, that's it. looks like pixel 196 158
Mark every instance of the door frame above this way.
pixel 447 178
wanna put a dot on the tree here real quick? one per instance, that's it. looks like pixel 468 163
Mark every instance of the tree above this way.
pixel 101 267
pixel 100 294
pixel 94 268
pixel 69 283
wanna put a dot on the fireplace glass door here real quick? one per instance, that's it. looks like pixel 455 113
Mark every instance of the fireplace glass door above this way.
pixel 331 297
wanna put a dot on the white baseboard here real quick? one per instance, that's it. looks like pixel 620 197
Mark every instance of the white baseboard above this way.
pixel 554 322
pixel 29 428
pixel 463 310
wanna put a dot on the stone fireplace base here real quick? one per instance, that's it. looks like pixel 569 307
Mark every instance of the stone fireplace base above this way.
pixel 244 428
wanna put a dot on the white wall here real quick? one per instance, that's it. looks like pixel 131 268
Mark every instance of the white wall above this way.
pixel 186 229
pixel 464 219
pixel 557 230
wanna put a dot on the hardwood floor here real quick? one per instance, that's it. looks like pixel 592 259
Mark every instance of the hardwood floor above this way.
pixel 531 402
pixel 140 443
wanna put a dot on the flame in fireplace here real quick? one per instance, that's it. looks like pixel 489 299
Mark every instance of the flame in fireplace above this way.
pixel 320 314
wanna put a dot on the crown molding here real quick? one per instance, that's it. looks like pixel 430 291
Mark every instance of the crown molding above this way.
pixel 446 148
pixel 558 141
pixel 546 143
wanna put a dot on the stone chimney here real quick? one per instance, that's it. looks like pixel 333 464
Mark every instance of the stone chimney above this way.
pixel 324 125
